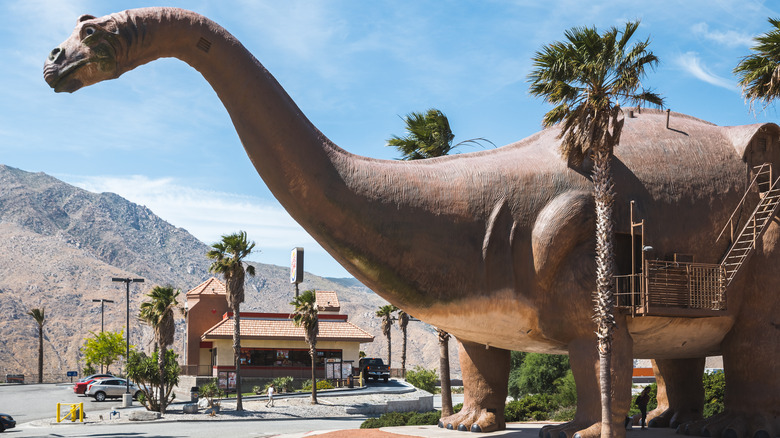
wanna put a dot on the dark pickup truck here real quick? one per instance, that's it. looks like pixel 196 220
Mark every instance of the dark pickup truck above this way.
pixel 374 368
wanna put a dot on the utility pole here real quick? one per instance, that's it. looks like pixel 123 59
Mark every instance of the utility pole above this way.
pixel 102 301
pixel 127 399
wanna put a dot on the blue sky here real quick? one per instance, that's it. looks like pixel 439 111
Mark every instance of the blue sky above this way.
pixel 160 137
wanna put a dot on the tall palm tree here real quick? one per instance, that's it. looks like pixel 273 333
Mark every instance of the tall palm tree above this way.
pixel 386 313
pixel 305 315
pixel 158 313
pixel 759 73
pixel 587 78
pixel 403 323
pixel 228 256
pixel 428 135
pixel 39 316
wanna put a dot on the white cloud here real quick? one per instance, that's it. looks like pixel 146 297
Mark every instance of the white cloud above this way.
pixel 691 63
pixel 729 38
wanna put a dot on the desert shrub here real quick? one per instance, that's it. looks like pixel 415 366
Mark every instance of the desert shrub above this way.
pixel 321 384
pixel 532 407
pixel 391 419
pixel 564 413
pixel 714 391
pixel 424 418
pixel 457 408
pixel 456 390
pixel 211 391
pixel 422 378
pixel 281 384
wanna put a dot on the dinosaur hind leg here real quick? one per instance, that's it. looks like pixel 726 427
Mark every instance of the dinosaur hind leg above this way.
pixel 680 392
pixel 485 377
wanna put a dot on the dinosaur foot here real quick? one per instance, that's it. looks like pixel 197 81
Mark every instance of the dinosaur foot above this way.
pixel 734 425
pixel 475 420
pixel 671 418
pixel 572 429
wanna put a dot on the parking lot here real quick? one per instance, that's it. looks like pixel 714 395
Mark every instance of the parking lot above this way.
pixel 39 401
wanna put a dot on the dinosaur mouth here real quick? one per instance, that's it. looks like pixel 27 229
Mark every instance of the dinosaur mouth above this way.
pixel 61 80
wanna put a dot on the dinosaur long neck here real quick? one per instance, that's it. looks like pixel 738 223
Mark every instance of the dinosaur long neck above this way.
pixel 295 160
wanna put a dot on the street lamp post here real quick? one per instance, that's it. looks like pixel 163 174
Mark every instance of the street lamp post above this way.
pixel 127 399
pixel 102 301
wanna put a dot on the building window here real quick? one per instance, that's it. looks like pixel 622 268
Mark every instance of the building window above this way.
pixel 270 357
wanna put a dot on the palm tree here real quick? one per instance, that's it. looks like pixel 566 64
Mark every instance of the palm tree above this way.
pixel 403 322
pixel 428 135
pixel 228 256
pixel 305 315
pixel 587 77
pixel 759 73
pixel 158 313
pixel 386 313
pixel 39 315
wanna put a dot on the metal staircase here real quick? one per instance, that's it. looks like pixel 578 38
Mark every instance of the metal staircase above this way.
pixel 745 242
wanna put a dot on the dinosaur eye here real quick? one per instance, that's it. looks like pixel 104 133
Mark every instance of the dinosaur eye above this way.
pixel 89 30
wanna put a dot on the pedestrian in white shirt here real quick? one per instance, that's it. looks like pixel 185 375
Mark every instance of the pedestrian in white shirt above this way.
pixel 270 396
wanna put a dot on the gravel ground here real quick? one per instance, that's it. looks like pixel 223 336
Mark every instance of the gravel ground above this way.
pixel 293 407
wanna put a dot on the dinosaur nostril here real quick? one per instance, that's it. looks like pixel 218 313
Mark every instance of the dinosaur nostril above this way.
pixel 54 53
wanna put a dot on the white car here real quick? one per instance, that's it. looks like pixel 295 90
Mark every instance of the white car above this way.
pixel 111 388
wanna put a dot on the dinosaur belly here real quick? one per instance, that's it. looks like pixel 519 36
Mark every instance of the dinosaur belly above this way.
pixel 678 338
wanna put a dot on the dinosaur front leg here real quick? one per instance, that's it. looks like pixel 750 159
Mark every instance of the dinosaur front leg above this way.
pixel 485 373
pixel 680 392
pixel 584 361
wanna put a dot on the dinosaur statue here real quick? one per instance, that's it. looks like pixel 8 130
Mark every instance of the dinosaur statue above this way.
pixel 496 247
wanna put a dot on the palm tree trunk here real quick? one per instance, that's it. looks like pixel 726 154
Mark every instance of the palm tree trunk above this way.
pixel 237 354
pixel 389 351
pixel 604 300
pixel 444 373
pixel 40 353
pixel 313 354
pixel 161 365
pixel 403 355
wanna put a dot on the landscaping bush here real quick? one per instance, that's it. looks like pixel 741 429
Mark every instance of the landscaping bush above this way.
pixel 422 378
pixel 714 391
pixel 424 418
pixel 211 391
pixel 321 384
pixel 533 407
pixel 457 408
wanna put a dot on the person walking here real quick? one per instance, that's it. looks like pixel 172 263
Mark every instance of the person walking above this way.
pixel 641 402
pixel 270 396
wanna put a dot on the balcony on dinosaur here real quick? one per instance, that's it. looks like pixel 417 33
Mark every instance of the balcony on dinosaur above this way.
pixel 681 287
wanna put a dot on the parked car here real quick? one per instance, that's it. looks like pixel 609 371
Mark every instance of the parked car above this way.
pixel 374 368
pixel 111 388
pixel 6 422
pixel 80 387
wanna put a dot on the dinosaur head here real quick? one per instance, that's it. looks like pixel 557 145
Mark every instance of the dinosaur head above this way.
pixel 88 56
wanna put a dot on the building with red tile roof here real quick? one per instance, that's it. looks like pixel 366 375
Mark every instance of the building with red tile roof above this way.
pixel 271 344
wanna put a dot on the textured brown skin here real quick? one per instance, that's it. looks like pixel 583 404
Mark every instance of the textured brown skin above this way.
pixel 496 247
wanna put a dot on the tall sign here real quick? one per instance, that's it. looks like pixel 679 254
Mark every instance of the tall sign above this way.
pixel 296 268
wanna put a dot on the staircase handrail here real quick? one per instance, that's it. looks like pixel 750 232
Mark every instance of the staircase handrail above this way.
pixel 744 197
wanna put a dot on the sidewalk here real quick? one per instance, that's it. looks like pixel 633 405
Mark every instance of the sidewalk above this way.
pixel 513 430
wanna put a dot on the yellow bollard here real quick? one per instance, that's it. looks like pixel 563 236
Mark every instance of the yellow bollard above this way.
pixel 76 411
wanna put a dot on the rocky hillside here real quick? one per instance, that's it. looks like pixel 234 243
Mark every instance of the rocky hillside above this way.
pixel 62 245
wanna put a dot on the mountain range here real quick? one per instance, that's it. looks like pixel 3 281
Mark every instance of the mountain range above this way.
pixel 62 245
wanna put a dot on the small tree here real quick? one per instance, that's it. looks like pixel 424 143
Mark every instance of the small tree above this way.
pixel 305 315
pixel 104 348
pixel 39 316
pixel 144 370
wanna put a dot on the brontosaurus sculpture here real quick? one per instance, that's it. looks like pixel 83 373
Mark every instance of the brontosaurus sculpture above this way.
pixel 497 247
